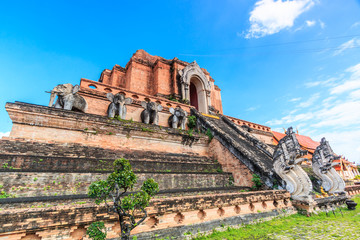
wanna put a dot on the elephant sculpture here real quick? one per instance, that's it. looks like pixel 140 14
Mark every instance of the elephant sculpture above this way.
pixel 117 105
pixel 286 162
pixel 177 118
pixel 322 164
pixel 67 98
pixel 150 114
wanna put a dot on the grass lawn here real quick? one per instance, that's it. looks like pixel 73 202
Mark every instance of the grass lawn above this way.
pixel 299 227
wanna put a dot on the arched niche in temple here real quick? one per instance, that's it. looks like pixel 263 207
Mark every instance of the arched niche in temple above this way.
pixel 195 87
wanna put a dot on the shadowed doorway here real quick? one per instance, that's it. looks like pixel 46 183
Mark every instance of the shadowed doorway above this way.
pixel 194 96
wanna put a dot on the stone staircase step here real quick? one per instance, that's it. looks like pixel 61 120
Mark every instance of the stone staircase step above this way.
pixel 40 149
pixel 68 164
pixel 28 184
pixel 250 151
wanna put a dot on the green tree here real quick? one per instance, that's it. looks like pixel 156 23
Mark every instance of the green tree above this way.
pixel 97 231
pixel 127 207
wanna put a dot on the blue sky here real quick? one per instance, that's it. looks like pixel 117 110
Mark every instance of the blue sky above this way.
pixel 278 63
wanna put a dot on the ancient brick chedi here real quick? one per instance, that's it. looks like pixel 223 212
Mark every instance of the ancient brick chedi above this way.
pixel 138 112
pixel 155 76
pixel 147 77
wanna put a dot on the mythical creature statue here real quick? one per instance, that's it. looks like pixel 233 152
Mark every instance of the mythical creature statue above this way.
pixel 68 98
pixel 117 105
pixel 322 164
pixel 150 114
pixel 177 118
pixel 287 159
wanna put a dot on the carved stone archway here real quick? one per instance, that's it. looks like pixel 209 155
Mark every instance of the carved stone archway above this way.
pixel 192 73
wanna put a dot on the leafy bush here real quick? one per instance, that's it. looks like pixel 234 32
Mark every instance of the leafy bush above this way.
pixel 191 122
pixel 231 180
pixel 190 132
pixel 97 231
pixel 144 129
pixel 4 194
pixel 173 98
pixel 209 134
pixel 257 182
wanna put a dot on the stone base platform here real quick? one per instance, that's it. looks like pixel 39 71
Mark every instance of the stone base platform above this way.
pixel 170 216
pixel 353 189
pixel 320 204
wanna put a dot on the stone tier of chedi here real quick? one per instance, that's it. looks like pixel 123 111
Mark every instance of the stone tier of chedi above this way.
pixel 126 92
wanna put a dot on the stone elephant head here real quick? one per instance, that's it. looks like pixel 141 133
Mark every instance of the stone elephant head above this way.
pixel 150 113
pixel 117 105
pixel 67 98
pixel 178 118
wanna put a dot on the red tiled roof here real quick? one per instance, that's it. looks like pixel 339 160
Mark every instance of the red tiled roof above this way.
pixel 304 141
pixel 337 167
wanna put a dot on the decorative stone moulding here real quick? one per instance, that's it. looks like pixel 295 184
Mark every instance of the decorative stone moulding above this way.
pixel 287 159
pixel 172 216
pixel 256 126
pixel 322 164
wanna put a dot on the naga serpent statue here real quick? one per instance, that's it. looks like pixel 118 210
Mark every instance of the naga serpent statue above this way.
pixel 287 159
pixel 322 164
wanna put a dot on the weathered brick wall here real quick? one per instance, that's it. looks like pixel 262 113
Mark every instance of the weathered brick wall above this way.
pixel 139 163
pixel 29 184
pixel 64 153
pixel 98 103
pixel 242 175
pixel 49 124
pixel 67 221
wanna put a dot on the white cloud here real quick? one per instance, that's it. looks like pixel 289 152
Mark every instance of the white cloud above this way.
pixel 356 24
pixel 345 143
pixel 250 109
pixel 352 83
pixel 336 117
pixel 310 23
pixel 295 99
pixel 355 95
pixel 272 16
pixel 310 101
pixel 326 100
pixel 340 115
pixel 290 119
pixel 355 70
pixel 4 134
pixel 346 86
pixel 327 82
pixel 322 24
pixel 347 45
